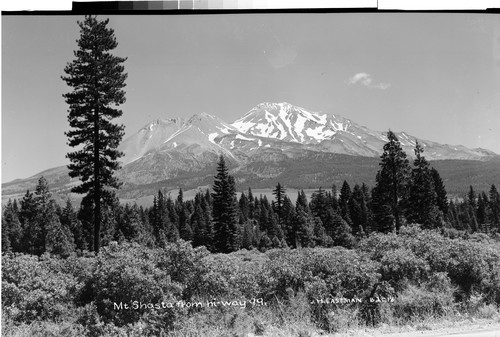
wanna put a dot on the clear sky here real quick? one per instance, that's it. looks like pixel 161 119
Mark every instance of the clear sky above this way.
pixel 433 75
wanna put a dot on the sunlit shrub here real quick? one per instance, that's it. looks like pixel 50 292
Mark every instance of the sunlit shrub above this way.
pixel 400 267
pixel 431 299
pixel 230 276
pixel 33 289
pixel 470 264
pixel 126 276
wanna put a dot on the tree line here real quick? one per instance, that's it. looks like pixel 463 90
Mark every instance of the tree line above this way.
pixel 219 220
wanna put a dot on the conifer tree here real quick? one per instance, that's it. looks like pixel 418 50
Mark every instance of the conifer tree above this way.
pixel 467 218
pixel 160 220
pixel 174 218
pixel 279 193
pixel 33 240
pixel 180 198
pixel 342 232
pixel 185 230
pixel 494 207
pixel 482 205
pixel 264 221
pixel 275 242
pixel 28 209
pixel 225 211
pixel 390 191
pixel 85 216
pixel 265 243
pixel 344 197
pixel 97 78
pixel 244 206
pixel 42 230
pixel 319 204
pixel 59 239
pixel 320 236
pixel 274 227
pixel 369 227
pixel 288 216
pixel 441 195
pixel 69 220
pixel 471 197
pixel 422 208
pixel 11 229
pixel 301 202
pixel 5 236
pixel 251 204
pixel 304 229
pixel 129 223
pixel 248 235
pixel 358 211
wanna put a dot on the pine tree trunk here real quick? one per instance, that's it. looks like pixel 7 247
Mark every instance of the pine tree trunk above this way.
pixel 97 190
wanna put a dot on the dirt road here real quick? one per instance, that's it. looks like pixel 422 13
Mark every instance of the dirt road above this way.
pixel 493 333
pixel 452 332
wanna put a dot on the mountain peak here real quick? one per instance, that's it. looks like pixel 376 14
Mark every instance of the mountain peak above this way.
pixel 288 122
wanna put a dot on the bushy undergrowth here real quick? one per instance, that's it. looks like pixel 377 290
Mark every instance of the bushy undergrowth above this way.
pixel 471 265
pixel 389 278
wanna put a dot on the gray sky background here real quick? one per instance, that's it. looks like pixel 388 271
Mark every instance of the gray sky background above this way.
pixel 435 76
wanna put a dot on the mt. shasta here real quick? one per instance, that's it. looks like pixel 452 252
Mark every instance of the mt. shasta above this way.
pixel 280 126
pixel 273 142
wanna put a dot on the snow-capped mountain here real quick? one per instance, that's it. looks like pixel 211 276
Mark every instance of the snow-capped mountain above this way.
pixel 290 123
pixel 271 142
pixel 277 126
pixel 270 132
pixel 335 134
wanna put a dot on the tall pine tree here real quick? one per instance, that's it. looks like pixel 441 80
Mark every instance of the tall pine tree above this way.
pixel 97 78
pixel 225 210
pixel 279 194
pixel 441 195
pixel 390 191
pixel 422 208
pixel 494 207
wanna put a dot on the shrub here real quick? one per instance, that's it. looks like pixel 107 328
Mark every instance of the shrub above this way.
pixel 432 299
pixel 34 289
pixel 230 276
pixel 323 274
pixel 487 311
pixel 400 267
pixel 417 253
pixel 128 275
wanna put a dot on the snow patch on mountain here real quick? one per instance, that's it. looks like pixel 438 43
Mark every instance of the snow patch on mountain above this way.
pixel 239 136
pixel 212 136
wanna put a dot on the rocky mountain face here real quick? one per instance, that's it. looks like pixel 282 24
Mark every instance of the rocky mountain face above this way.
pixel 270 141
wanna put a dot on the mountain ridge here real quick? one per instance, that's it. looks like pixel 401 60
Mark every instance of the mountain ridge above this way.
pixel 274 124
pixel 267 142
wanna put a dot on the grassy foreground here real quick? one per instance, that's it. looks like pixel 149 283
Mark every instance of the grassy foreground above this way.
pixel 415 281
